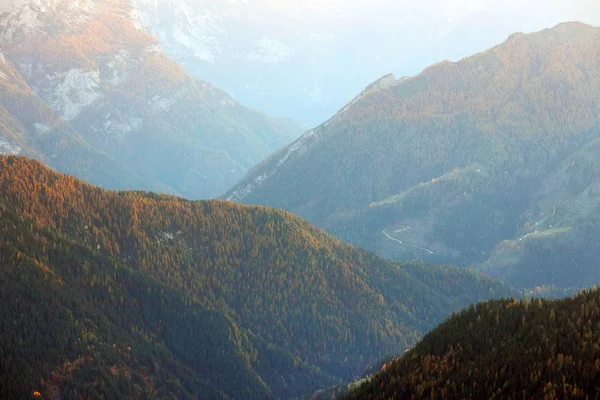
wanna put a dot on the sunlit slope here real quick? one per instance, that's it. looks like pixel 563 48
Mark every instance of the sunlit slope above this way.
pixel 501 349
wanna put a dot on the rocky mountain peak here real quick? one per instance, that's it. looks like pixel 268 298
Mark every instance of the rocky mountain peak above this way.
pixel 97 68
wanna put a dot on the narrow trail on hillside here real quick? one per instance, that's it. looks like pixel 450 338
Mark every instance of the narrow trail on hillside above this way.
pixel 407 245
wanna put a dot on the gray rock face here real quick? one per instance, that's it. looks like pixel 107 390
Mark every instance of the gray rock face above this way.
pixel 93 64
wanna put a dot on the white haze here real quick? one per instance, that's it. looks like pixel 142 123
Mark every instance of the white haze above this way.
pixel 305 59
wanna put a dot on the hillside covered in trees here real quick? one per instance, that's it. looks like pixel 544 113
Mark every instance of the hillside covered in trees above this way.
pixel 489 158
pixel 533 349
pixel 108 294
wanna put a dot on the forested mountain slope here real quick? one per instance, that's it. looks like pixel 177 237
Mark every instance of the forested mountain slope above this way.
pixel 558 242
pixel 448 165
pixel 532 349
pixel 107 81
pixel 143 295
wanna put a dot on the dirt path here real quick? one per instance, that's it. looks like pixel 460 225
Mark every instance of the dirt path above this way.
pixel 407 245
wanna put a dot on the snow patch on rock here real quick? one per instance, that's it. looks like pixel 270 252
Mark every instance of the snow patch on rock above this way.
pixel 78 6
pixel 7 148
pixel 137 19
pixel 116 126
pixel 245 189
pixel 41 128
pixel 9 5
pixel 119 68
pixel 186 29
pixel 24 17
pixel 26 70
pixel 160 103
pixel 70 92
pixel 155 48
pixel 202 47
pixel 28 16
pixel 298 146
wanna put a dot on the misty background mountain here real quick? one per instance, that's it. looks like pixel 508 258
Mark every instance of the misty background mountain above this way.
pixel 89 92
pixel 305 59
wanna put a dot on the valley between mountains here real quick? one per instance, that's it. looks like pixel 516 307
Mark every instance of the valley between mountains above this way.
pixel 161 240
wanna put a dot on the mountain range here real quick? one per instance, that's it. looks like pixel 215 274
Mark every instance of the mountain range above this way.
pixel 306 59
pixel 487 162
pixel 110 290
pixel 133 294
pixel 89 92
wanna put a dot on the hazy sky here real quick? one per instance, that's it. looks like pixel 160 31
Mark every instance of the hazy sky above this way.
pixel 428 31
pixel 452 29
pixel 530 13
